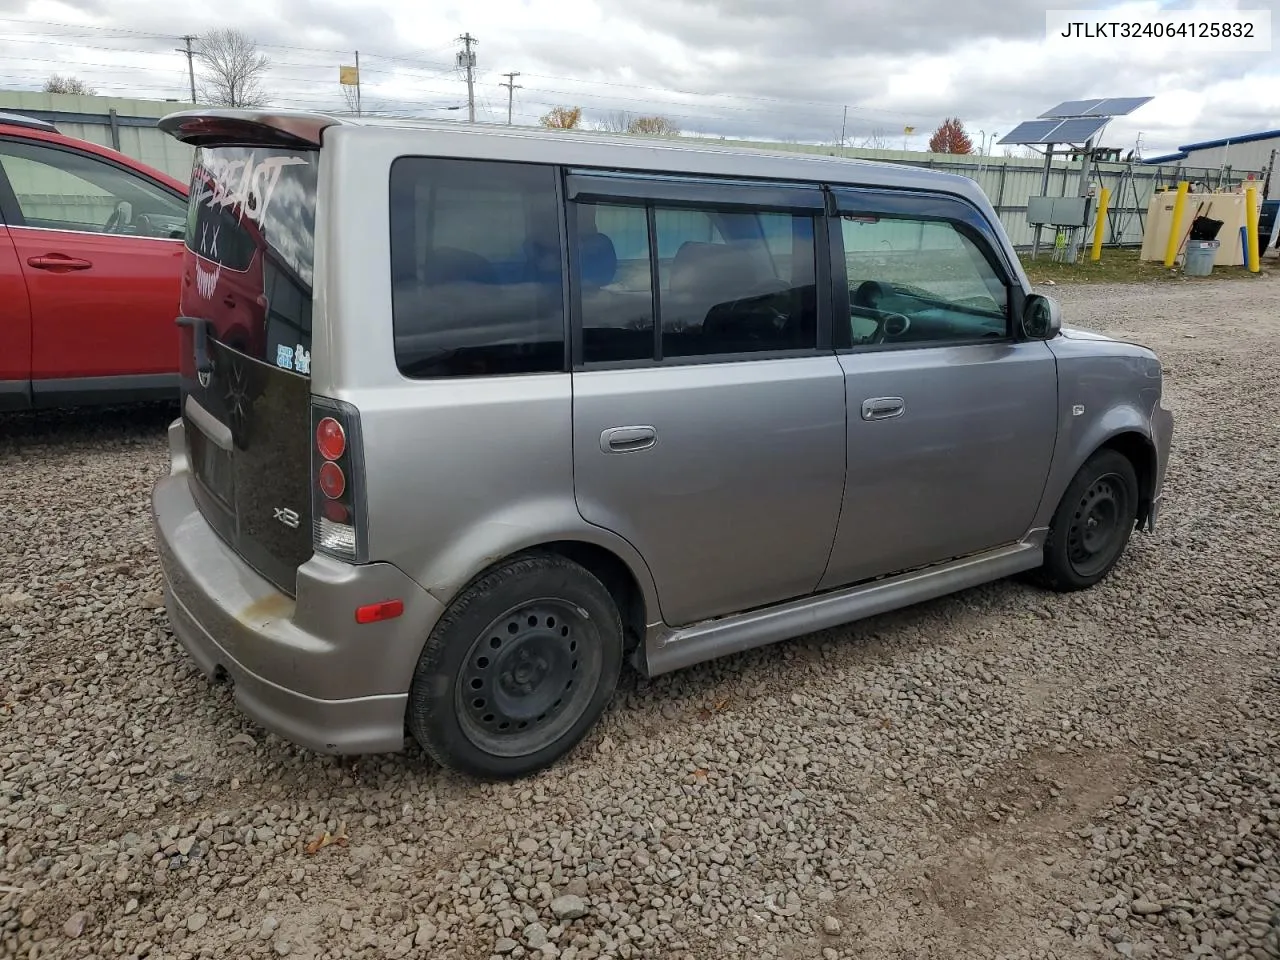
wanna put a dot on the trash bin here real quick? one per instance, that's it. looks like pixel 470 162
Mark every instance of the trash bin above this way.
pixel 1200 257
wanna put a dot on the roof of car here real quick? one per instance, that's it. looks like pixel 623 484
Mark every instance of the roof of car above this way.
pixel 586 148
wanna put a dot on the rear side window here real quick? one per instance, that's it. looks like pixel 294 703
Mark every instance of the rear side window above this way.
pixel 476 268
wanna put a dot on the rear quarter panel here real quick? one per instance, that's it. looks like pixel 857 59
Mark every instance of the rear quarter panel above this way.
pixel 1117 385
pixel 460 472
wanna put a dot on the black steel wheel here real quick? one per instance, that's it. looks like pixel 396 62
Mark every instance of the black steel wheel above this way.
pixel 1092 524
pixel 528 677
pixel 518 669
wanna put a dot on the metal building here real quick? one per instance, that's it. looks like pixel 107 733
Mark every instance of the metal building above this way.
pixel 1248 151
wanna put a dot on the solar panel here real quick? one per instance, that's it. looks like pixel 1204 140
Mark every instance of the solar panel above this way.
pixel 1118 106
pixel 1075 130
pixel 1031 131
pixel 1070 108
pixel 1108 107
pixel 1079 129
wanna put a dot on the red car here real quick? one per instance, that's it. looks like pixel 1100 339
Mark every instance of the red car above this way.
pixel 91 248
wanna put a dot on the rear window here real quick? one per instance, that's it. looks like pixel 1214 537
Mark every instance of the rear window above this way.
pixel 477 268
pixel 251 225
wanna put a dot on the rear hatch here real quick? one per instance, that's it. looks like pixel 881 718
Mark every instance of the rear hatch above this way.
pixel 246 350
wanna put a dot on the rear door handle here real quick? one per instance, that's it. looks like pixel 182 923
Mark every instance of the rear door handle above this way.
pixel 627 439
pixel 58 261
pixel 883 408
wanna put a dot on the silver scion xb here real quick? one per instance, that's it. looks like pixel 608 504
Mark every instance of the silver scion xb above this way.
pixel 472 415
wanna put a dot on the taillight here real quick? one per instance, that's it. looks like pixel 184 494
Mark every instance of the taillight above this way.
pixel 331 439
pixel 337 481
pixel 333 482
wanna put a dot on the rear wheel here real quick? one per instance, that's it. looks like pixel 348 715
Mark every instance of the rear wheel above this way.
pixel 1092 524
pixel 518 669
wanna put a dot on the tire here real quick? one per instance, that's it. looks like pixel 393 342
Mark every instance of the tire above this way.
pixel 518 669
pixel 1092 525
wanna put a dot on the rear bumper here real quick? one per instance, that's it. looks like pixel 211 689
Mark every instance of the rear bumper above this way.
pixel 303 669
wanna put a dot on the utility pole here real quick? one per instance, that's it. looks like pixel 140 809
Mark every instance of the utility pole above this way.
pixel 357 83
pixel 191 64
pixel 512 87
pixel 467 60
pixel 844 122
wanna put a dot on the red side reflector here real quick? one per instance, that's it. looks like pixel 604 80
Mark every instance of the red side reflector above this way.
pixel 374 612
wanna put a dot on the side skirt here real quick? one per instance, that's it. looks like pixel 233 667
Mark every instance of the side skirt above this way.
pixel 669 649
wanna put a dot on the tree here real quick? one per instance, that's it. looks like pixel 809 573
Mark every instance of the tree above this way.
pixel 654 126
pixel 950 138
pixel 876 140
pixel 60 84
pixel 616 121
pixel 233 70
pixel 562 118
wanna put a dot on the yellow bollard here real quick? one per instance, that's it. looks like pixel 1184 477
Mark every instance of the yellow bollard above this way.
pixel 1171 248
pixel 1251 227
pixel 1103 199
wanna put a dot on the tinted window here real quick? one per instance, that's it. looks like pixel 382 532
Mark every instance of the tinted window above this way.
pixel 476 268
pixel 64 190
pixel 734 282
pixel 251 227
pixel 919 281
pixel 614 282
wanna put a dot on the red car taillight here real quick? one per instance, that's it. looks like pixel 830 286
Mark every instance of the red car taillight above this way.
pixel 337 498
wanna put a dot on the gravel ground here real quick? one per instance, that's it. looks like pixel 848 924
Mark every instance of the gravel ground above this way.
pixel 1005 773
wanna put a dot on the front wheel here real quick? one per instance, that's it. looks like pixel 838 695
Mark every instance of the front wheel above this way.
pixel 1092 524
pixel 518 669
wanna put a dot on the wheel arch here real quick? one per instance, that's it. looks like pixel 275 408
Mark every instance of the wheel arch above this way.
pixel 1140 451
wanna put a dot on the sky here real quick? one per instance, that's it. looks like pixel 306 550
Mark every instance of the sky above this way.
pixel 756 69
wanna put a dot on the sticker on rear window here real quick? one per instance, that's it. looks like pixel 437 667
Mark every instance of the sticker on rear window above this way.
pixel 284 356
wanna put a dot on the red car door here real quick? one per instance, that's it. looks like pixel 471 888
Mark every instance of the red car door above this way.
pixel 100 248
pixel 15 328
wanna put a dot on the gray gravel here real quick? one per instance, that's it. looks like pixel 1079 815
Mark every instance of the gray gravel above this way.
pixel 1005 773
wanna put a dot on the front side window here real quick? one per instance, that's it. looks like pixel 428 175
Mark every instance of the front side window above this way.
pixel 64 190
pixel 476 268
pixel 919 281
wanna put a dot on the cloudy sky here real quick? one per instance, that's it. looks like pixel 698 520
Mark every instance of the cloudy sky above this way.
pixel 762 69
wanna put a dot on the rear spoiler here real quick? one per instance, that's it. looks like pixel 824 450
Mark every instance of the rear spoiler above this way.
pixel 264 128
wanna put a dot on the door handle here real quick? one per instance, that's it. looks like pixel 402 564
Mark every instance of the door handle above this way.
pixel 627 439
pixel 58 261
pixel 883 408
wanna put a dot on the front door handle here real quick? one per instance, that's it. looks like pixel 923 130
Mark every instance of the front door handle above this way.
pixel 627 439
pixel 883 408
pixel 58 261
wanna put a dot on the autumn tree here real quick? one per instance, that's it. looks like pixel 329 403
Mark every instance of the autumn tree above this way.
pixel 233 70
pixel 60 84
pixel 654 126
pixel 950 138
pixel 562 118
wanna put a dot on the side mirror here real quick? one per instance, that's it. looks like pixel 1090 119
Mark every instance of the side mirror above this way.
pixel 1041 317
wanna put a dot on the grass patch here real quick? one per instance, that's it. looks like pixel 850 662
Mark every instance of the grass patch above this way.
pixel 1116 266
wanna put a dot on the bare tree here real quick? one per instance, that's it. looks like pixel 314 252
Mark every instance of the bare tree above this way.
pixel 616 121
pixel 654 126
pixel 877 139
pixel 233 70
pixel 60 84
